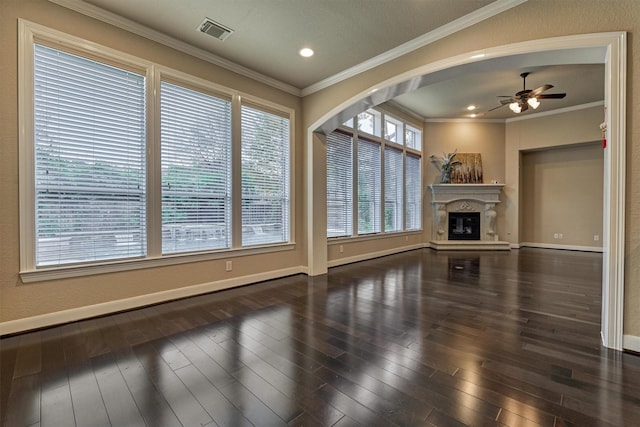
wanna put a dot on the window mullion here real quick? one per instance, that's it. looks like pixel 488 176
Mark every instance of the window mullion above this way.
pixel 154 175
pixel 236 172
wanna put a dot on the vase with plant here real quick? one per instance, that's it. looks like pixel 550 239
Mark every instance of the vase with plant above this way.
pixel 445 165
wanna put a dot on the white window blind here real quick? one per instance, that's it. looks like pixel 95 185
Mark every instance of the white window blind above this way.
pixel 393 189
pixel 89 133
pixel 339 184
pixel 413 218
pixel 265 177
pixel 369 186
pixel 196 170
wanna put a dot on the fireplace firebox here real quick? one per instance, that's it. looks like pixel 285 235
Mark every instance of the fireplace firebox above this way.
pixel 464 225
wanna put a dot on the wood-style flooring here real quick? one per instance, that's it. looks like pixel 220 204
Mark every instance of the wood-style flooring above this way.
pixel 422 338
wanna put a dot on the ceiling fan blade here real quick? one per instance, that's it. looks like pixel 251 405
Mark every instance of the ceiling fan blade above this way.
pixel 551 96
pixel 495 108
pixel 507 101
pixel 539 90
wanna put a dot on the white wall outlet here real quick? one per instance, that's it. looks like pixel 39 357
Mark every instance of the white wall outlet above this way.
pixel 341 249
pixel 229 266
pixel 560 236
pixel 555 235
pixel 406 238
pixel 596 237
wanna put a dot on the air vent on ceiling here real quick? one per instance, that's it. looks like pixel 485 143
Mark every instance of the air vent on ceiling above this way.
pixel 215 29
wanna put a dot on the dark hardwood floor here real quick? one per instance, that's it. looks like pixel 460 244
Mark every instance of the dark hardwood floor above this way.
pixel 419 338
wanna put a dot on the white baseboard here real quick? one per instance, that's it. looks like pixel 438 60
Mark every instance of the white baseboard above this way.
pixel 74 314
pixel 564 247
pixel 631 342
pixel 371 255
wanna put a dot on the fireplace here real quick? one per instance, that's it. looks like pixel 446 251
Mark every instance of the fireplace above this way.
pixel 464 225
pixel 465 217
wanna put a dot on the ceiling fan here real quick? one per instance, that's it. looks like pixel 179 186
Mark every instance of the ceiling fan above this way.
pixel 526 98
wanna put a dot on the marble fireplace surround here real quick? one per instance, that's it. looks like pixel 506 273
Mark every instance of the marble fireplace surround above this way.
pixel 480 198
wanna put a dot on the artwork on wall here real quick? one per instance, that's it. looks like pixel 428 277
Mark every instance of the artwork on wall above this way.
pixel 469 169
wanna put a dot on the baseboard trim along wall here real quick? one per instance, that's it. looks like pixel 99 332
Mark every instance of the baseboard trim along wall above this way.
pixel 631 342
pixel 80 313
pixel 371 255
pixel 563 247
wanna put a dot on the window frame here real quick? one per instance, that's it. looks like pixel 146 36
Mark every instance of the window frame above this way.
pixel 30 34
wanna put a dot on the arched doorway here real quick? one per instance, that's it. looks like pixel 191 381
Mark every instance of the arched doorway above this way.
pixel 613 55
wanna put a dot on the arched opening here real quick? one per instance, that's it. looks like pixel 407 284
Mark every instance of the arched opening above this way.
pixel 610 48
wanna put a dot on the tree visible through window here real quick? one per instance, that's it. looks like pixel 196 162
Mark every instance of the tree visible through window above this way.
pixel 196 170
pixel 265 177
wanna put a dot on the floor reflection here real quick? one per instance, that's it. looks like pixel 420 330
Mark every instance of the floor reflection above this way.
pixel 420 338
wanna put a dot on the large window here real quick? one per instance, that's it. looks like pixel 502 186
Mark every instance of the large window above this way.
pixel 124 160
pixel 369 185
pixel 196 170
pixel 339 184
pixel 386 171
pixel 265 177
pixel 89 141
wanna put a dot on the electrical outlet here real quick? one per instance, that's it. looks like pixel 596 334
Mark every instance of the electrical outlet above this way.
pixel 596 237
pixel 560 236
pixel 229 265
pixel 555 236
pixel 406 238
pixel 341 249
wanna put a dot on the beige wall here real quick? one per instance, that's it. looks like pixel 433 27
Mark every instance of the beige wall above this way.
pixel 21 301
pixel 568 128
pixel 562 193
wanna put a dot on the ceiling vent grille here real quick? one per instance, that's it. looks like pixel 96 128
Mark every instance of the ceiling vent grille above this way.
pixel 215 29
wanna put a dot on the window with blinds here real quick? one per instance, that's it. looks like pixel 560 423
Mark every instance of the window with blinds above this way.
pixel 369 187
pixel 339 184
pixel 265 177
pixel 90 172
pixel 393 189
pixel 196 170
pixel 413 189
pixel 385 170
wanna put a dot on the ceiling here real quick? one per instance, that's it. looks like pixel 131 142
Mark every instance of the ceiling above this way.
pixel 349 36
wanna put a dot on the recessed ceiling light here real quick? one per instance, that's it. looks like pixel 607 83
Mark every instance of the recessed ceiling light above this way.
pixel 306 52
pixel 471 107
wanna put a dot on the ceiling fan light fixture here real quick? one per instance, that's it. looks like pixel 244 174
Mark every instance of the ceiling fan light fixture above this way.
pixel 515 107
pixel 533 103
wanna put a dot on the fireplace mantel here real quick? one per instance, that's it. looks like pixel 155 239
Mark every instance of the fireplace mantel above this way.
pixel 480 198
pixel 483 193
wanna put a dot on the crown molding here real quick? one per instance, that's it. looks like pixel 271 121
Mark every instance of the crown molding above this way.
pixel 557 111
pixel 156 36
pixel 452 27
pixel 517 119
pixel 464 120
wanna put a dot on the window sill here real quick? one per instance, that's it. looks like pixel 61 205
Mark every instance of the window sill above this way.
pixel 56 273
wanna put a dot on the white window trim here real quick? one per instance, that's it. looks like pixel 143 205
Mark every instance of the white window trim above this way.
pixel 30 33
